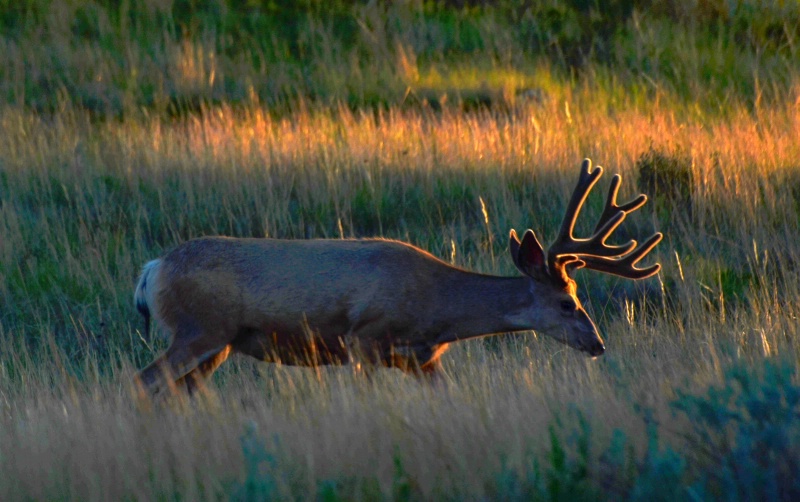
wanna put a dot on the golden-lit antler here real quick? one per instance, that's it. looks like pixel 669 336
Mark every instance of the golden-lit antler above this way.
pixel 568 252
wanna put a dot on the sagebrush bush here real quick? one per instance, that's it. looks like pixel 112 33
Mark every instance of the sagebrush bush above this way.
pixel 668 178
pixel 745 437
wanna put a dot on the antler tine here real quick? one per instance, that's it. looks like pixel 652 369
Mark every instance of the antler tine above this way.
pixel 594 253
pixel 585 183
pixel 611 208
pixel 624 266
pixel 613 215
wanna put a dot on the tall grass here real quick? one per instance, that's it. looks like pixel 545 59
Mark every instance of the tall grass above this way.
pixel 125 130
pixel 116 58
pixel 85 204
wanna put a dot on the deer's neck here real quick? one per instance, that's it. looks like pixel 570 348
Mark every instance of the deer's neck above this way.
pixel 480 305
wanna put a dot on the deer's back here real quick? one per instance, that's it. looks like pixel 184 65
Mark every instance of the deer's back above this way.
pixel 274 284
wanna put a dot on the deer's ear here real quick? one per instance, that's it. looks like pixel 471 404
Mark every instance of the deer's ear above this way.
pixel 513 245
pixel 528 255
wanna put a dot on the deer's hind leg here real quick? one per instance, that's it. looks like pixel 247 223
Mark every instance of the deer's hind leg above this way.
pixel 194 381
pixel 191 349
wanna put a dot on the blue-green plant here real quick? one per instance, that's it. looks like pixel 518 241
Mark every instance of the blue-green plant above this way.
pixel 261 469
pixel 745 435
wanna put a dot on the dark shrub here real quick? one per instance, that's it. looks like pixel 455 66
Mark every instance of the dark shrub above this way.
pixel 668 179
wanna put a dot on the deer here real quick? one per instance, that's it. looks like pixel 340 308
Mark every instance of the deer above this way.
pixel 313 302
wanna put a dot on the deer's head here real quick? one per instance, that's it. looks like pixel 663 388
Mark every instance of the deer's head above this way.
pixel 556 309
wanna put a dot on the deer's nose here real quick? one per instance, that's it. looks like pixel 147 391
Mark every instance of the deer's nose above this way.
pixel 596 348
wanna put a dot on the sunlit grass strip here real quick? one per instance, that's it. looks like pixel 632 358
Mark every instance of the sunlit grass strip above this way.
pixel 85 204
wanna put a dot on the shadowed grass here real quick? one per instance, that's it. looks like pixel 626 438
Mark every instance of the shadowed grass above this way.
pixel 116 59
pixel 85 204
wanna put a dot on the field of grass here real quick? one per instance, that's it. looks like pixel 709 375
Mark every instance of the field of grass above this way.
pixel 127 130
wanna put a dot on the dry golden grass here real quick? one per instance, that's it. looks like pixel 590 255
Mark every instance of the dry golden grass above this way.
pixel 84 204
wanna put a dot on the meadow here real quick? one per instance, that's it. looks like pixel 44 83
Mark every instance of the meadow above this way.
pixel 125 130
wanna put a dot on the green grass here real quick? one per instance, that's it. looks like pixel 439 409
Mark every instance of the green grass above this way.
pixel 127 130
pixel 116 59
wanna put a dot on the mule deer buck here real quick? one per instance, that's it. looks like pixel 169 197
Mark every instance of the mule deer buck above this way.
pixel 317 302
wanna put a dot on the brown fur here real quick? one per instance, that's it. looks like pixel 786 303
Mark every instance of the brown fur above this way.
pixel 313 302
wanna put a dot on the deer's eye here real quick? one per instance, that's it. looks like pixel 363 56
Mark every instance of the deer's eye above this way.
pixel 567 306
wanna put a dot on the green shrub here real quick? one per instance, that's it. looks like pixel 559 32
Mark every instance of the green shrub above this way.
pixel 742 444
pixel 668 179
pixel 261 469
pixel 746 436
